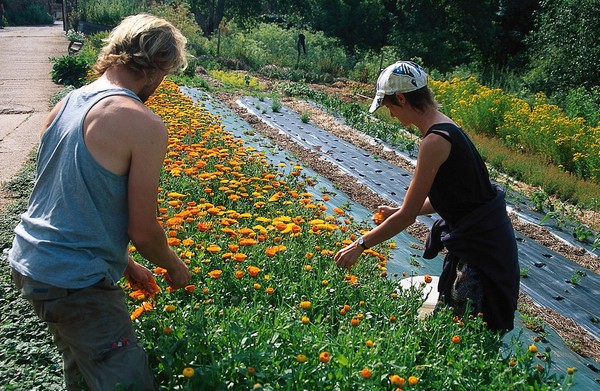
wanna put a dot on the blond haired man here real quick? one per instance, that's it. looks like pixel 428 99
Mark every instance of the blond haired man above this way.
pixel 97 176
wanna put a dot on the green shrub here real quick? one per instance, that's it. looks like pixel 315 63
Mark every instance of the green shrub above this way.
pixel 582 102
pixel 180 15
pixel 108 12
pixel 69 70
pixel 269 44
pixel 31 14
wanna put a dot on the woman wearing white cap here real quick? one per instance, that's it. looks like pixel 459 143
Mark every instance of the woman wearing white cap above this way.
pixel 481 267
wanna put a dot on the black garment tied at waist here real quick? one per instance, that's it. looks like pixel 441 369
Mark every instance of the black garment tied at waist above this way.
pixel 484 239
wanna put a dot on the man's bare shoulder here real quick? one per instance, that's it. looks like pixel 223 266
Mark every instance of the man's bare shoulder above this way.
pixel 123 112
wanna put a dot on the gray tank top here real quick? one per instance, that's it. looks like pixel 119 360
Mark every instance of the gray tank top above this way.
pixel 74 232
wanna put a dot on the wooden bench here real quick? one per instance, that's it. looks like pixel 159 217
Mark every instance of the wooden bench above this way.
pixel 87 29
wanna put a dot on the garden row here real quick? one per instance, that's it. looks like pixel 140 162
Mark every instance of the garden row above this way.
pixel 266 304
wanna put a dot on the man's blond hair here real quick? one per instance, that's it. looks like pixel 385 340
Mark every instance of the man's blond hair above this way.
pixel 144 43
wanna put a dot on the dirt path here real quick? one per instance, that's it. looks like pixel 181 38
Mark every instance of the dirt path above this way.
pixel 25 90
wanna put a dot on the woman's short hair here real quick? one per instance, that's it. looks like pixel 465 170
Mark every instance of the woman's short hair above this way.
pixel 143 43
pixel 420 99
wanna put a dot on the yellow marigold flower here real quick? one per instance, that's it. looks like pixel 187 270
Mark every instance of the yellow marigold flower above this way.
pixel 369 343
pixel 305 320
pixel 257 286
pixel 301 358
pixel 170 308
pixel 532 348
pixel 305 304
pixel 188 372
pixel 308 268
pixel 570 370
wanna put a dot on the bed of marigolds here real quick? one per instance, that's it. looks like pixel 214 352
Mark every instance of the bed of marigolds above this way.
pixel 267 308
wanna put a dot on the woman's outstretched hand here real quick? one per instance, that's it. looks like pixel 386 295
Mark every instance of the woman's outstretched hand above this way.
pixel 348 256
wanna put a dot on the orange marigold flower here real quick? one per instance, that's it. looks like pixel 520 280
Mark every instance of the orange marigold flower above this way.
pixel 354 322
pixel 203 226
pixel 570 370
pixel 456 339
pixel 137 312
pixel 253 271
pixel 338 211
pixel 366 373
pixel 393 318
pixel 369 343
pixel 187 242
pixel 272 251
pixel 213 248
pixel 159 270
pixel 309 255
pixel 239 257
pixel 233 247
pixel 190 288
pixel 270 291
pixel 378 218
pixel 239 274
pixel 247 242
pixel 413 380
pixel 251 371
pixel 168 330
pixel 324 357
pixel 427 278
pixel 138 295
pixel 215 273
pixel 308 268
pixel 173 241
pixel 305 320
pixel 305 304
pixel 397 380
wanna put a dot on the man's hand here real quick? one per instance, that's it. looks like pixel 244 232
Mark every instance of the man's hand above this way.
pixel 140 277
pixel 178 274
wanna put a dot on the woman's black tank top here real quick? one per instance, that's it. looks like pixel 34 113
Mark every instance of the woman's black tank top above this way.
pixel 462 183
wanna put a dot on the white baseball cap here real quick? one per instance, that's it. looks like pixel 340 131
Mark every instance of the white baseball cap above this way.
pixel 402 76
